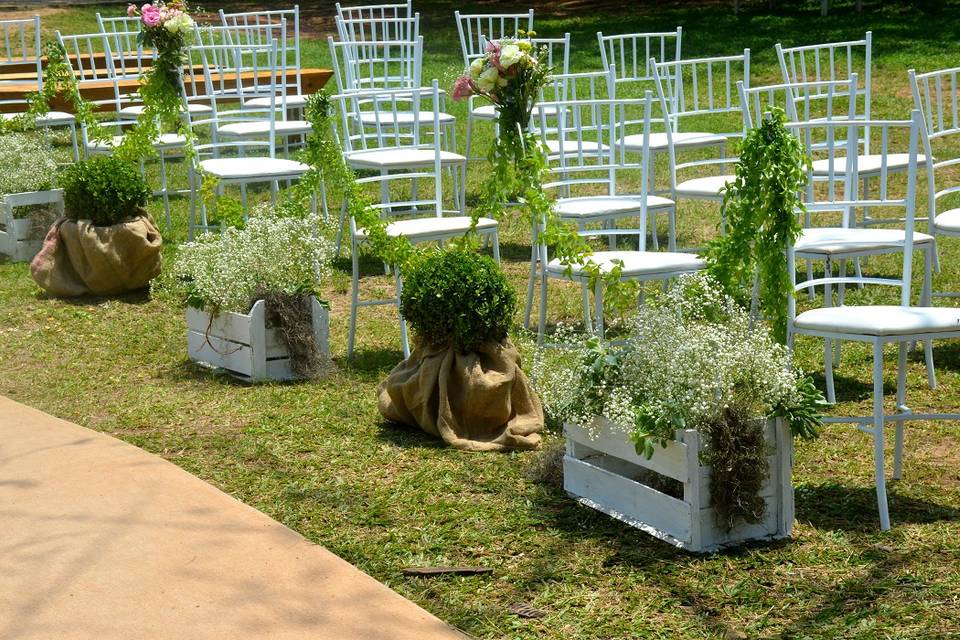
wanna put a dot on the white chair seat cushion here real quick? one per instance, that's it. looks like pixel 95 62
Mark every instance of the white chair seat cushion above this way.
pixel 880 320
pixel 681 140
pixel 838 241
pixel 574 147
pixel 295 101
pixel 430 227
pixel 166 141
pixel 586 207
pixel 399 158
pixel 403 118
pixel 281 127
pixel 948 221
pixel 636 263
pixel 253 167
pixel 866 163
pixel 708 187
pixel 489 112
pixel 136 110
pixel 50 119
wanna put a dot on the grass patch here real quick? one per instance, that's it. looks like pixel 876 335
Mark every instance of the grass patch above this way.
pixel 317 457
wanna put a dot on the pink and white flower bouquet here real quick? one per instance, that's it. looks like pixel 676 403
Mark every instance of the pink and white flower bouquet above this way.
pixel 511 75
pixel 168 29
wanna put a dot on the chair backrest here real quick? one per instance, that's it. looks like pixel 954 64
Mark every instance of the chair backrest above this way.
pixel 259 27
pixel 123 32
pixel 387 11
pixel 367 29
pixel 703 87
pixel 253 73
pixel 841 191
pixel 130 60
pixel 473 27
pixel 832 61
pixel 379 113
pixel 20 47
pixel 90 59
pixel 631 53
pixel 935 94
pixel 390 64
pixel 837 99
pixel 587 154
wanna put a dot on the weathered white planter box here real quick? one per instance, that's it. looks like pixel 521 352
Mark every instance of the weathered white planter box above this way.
pixel 15 236
pixel 601 471
pixel 244 346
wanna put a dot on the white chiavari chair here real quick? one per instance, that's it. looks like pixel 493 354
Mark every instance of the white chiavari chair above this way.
pixel 20 48
pixel 237 160
pixel 873 324
pixel 588 158
pixel 395 158
pixel 635 54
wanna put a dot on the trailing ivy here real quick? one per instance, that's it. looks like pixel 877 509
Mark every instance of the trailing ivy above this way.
pixel 760 216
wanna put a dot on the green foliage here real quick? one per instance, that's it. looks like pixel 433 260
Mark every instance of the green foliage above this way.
pixel 104 190
pixel 329 171
pixel 458 297
pixel 760 212
pixel 804 414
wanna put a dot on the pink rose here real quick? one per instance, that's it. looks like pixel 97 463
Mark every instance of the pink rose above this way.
pixel 150 15
pixel 493 47
pixel 131 10
pixel 462 88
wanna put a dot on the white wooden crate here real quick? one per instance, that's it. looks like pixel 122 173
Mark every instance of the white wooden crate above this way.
pixel 15 240
pixel 244 346
pixel 601 466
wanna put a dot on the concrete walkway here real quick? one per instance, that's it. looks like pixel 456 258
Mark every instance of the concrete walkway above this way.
pixel 99 539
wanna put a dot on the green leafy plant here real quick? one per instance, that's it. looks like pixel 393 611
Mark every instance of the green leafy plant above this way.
pixel 459 298
pixel 760 212
pixel 104 190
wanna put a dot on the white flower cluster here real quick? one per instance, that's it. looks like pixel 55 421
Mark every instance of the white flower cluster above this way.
pixel 691 353
pixel 222 271
pixel 27 164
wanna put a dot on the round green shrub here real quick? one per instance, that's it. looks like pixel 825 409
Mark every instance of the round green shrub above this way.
pixel 104 190
pixel 458 298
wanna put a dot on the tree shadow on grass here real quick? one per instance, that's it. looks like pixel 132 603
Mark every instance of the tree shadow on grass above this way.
pixel 407 437
pixel 833 506
pixel 138 297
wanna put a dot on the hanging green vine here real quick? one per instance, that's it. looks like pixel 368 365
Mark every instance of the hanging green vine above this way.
pixel 330 172
pixel 760 216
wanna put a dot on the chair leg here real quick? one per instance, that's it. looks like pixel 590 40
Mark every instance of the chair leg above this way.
pixel 531 280
pixel 878 443
pixel 340 227
pixel 192 218
pixel 587 320
pixel 598 307
pixel 828 346
pixel 404 341
pixel 654 240
pixel 354 297
pixel 164 189
pixel 901 405
pixel 495 238
pixel 469 139
pixel 542 323
pixel 672 220
pixel 926 299
pixel 74 143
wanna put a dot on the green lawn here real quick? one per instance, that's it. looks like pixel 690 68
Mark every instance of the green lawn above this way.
pixel 317 457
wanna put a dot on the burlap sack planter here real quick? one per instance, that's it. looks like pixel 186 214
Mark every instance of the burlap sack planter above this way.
pixel 477 401
pixel 80 258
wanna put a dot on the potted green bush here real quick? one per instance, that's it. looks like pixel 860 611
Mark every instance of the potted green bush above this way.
pixel 107 243
pixel 686 430
pixel 463 381
pixel 252 308
pixel 29 203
